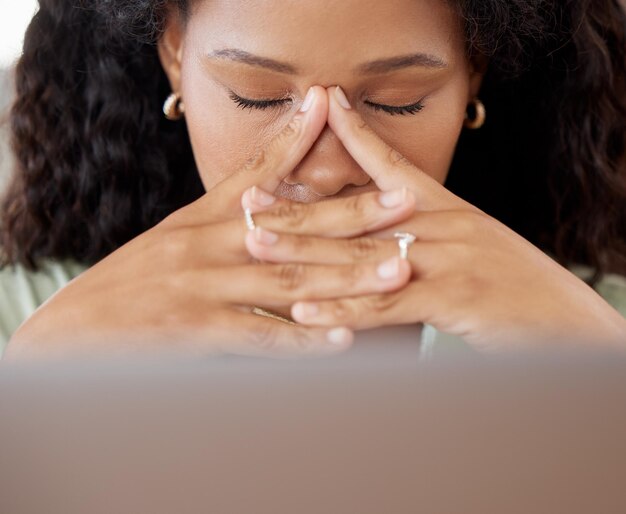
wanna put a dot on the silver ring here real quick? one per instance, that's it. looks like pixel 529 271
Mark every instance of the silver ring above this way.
pixel 249 220
pixel 405 239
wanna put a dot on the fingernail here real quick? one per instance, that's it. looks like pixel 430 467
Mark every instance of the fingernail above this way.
pixel 389 269
pixel 341 98
pixel 340 336
pixel 303 310
pixel 265 237
pixel 308 100
pixel 260 197
pixel 391 199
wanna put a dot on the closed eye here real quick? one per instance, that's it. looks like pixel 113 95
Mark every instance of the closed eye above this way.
pixel 246 103
pixel 402 110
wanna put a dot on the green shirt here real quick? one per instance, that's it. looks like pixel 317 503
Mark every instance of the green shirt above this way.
pixel 22 291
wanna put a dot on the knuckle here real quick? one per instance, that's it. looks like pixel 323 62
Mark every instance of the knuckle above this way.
pixel 300 244
pixel 473 284
pixel 291 215
pixel 287 136
pixel 362 248
pixel 264 336
pixel 257 161
pixel 291 277
pixel 353 276
pixel 176 248
pixel 363 126
pixel 344 311
pixel 381 302
pixel 454 254
pixel 303 341
pixel 176 316
pixel 282 141
pixel 466 254
pixel 356 206
pixel 174 284
pixel 395 158
pixel 471 223
pixel 291 130
pixel 466 289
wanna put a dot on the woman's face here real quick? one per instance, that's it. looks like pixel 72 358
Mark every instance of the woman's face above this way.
pixel 393 53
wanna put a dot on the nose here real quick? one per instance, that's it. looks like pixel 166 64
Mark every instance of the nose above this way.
pixel 328 167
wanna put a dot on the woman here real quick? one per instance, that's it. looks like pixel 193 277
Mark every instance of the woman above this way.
pixel 518 106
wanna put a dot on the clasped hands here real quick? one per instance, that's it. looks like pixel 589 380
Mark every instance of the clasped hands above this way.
pixel 467 274
pixel 191 282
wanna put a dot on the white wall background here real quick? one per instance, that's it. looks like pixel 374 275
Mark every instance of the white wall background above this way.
pixel 14 18
pixel 16 14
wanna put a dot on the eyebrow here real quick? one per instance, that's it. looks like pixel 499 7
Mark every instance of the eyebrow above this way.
pixel 369 68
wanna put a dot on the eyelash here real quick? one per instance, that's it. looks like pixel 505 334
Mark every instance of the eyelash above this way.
pixel 244 103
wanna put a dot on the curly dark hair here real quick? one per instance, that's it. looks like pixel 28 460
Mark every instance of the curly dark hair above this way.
pixel 97 164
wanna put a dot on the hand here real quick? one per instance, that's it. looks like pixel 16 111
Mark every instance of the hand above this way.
pixel 472 276
pixel 190 282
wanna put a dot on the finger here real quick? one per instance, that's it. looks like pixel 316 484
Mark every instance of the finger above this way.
pixel 269 246
pixel 257 200
pixel 275 285
pixel 454 226
pixel 388 168
pixel 323 241
pixel 339 217
pixel 274 161
pixel 425 257
pixel 413 304
pixel 252 335
pixel 218 244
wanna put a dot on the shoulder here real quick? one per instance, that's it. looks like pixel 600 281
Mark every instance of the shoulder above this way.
pixel 22 291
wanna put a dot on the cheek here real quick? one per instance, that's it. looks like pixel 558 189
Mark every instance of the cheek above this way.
pixel 222 137
pixel 429 138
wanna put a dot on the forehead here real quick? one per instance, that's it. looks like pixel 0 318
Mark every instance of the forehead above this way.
pixel 328 35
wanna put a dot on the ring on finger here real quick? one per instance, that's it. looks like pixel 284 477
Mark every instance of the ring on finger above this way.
pixel 405 240
pixel 268 314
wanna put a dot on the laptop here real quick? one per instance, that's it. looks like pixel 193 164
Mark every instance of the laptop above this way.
pixel 377 430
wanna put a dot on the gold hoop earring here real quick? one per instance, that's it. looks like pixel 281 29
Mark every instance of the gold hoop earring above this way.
pixel 174 108
pixel 479 116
